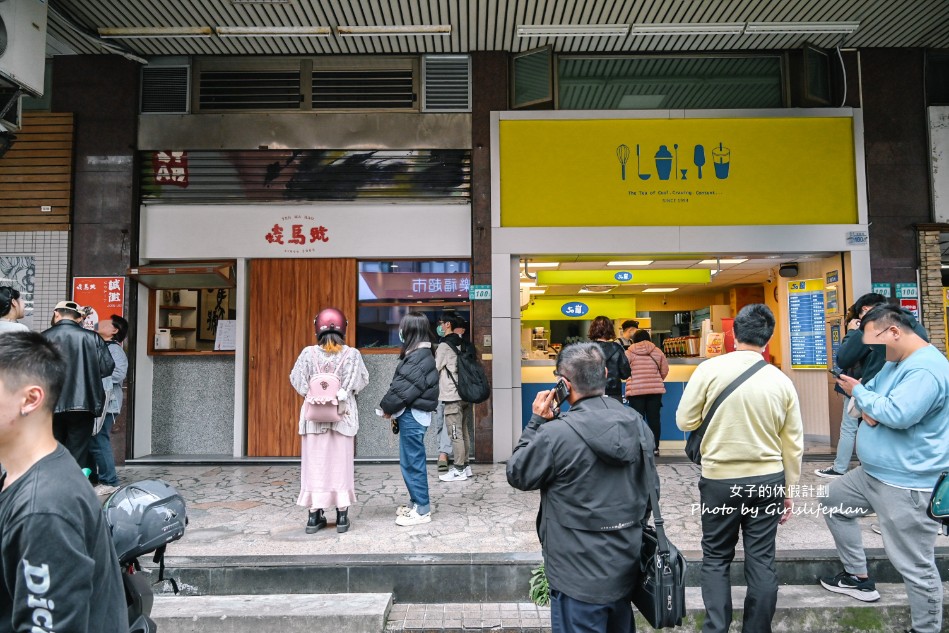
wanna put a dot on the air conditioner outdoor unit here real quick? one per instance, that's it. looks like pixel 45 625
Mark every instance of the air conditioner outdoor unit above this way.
pixel 23 44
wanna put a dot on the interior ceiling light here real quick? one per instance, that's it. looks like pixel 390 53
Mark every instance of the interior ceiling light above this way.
pixel 144 32
pixel 597 288
pixel 801 27
pixel 537 291
pixel 632 262
pixel 273 31
pixel 684 28
pixel 572 30
pixel 542 264
pixel 660 289
pixel 406 30
pixel 716 262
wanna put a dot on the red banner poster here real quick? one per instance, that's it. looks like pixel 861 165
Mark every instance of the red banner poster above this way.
pixel 100 296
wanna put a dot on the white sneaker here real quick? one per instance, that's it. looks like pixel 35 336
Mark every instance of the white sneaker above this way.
pixel 468 472
pixel 453 474
pixel 413 518
pixel 103 490
pixel 404 510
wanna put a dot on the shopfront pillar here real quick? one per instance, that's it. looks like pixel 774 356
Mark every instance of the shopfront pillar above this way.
pixel 931 292
pixel 897 158
pixel 489 90
pixel 101 91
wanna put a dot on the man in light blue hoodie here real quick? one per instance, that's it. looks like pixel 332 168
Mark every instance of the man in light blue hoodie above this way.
pixel 903 447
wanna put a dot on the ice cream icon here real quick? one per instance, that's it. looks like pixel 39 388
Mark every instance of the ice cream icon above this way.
pixel 721 159
pixel 663 163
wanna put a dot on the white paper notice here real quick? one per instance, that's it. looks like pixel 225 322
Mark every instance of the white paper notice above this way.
pixel 225 339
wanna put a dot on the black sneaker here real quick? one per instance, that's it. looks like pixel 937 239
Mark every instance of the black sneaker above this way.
pixel 848 584
pixel 827 472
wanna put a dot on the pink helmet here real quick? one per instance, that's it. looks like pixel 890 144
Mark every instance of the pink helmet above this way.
pixel 330 320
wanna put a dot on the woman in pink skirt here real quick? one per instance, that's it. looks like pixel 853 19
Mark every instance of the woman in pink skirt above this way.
pixel 328 448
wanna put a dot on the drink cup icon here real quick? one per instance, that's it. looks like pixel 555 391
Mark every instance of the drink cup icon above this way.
pixel 663 163
pixel 721 159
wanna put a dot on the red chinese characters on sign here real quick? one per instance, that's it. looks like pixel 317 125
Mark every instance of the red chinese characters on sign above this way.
pixel 100 296
pixel 171 168
pixel 299 234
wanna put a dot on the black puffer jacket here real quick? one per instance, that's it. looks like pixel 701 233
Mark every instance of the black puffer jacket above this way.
pixel 415 384
pixel 88 361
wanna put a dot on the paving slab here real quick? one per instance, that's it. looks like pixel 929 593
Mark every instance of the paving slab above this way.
pixel 238 510
pixel 801 609
pixel 294 613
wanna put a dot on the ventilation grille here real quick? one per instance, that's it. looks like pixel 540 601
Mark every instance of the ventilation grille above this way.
pixel 363 90
pixel 249 90
pixel 165 90
pixel 446 83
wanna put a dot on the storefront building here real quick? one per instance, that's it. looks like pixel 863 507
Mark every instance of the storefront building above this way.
pixel 184 173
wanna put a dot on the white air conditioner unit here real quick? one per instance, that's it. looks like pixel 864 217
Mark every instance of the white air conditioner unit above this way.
pixel 23 44
pixel 525 297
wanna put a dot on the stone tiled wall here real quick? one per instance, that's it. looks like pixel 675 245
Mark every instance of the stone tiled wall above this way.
pixel 375 439
pixel 931 291
pixel 50 249
pixel 193 405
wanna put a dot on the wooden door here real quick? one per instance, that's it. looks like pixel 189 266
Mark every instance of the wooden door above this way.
pixel 285 295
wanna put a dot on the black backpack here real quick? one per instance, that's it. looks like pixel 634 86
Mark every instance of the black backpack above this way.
pixel 472 383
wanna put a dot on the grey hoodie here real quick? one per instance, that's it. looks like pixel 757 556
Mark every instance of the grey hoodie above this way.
pixel 589 468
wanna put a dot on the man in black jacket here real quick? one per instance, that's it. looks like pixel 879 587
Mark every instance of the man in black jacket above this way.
pixel 588 465
pixel 862 361
pixel 82 399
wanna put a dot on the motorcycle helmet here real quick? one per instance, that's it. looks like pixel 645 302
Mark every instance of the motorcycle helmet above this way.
pixel 144 516
pixel 330 320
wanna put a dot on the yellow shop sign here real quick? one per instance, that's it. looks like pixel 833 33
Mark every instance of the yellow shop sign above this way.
pixel 678 172
pixel 583 307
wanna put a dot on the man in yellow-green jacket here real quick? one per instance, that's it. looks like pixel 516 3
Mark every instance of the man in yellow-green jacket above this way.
pixel 751 454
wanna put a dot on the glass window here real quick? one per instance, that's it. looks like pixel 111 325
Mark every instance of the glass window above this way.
pixel 669 82
pixel 388 290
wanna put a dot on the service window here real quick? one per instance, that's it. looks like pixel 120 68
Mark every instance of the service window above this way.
pixel 388 290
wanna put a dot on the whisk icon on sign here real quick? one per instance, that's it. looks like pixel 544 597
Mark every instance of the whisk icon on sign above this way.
pixel 622 154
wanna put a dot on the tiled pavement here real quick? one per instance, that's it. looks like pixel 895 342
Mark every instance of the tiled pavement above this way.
pixel 250 510
pixel 521 617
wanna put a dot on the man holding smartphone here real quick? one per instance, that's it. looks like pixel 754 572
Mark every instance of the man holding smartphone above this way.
pixel 860 361
pixel 589 466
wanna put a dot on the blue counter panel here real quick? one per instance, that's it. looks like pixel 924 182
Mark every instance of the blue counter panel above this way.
pixel 667 417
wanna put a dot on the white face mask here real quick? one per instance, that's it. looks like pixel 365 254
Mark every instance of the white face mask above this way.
pixel 401 338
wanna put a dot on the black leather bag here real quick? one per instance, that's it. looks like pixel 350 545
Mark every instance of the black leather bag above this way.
pixel 660 591
pixel 693 445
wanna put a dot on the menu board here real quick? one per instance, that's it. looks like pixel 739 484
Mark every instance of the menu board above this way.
pixel 808 329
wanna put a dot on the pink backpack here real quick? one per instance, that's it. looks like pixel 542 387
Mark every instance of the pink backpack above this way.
pixel 320 402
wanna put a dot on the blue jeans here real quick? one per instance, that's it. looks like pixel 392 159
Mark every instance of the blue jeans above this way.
pixel 848 436
pixel 100 448
pixel 412 460
pixel 569 615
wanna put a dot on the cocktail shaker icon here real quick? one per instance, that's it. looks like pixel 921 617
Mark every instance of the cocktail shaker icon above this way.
pixel 663 162
pixel 721 159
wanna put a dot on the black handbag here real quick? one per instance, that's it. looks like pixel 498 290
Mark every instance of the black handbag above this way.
pixel 693 445
pixel 660 590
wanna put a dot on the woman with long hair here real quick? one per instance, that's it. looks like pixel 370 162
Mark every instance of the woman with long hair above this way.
pixel 649 368
pixel 327 470
pixel 411 398
pixel 617 367
pixel 11 309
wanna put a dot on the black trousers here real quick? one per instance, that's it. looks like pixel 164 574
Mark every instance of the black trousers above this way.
pixel 751 505
pixel 648 406
pixel 569 615
pixel 73 429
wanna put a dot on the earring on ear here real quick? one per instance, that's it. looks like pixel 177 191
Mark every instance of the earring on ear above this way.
pixel 23 413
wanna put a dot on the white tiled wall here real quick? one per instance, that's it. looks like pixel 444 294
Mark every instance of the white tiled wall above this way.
pixel 51 251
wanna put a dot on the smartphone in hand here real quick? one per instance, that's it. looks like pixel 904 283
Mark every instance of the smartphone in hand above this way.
pixel 834 373
pixel 561 391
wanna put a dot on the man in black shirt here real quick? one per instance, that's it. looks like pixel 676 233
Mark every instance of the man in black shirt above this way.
pixel 58 570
